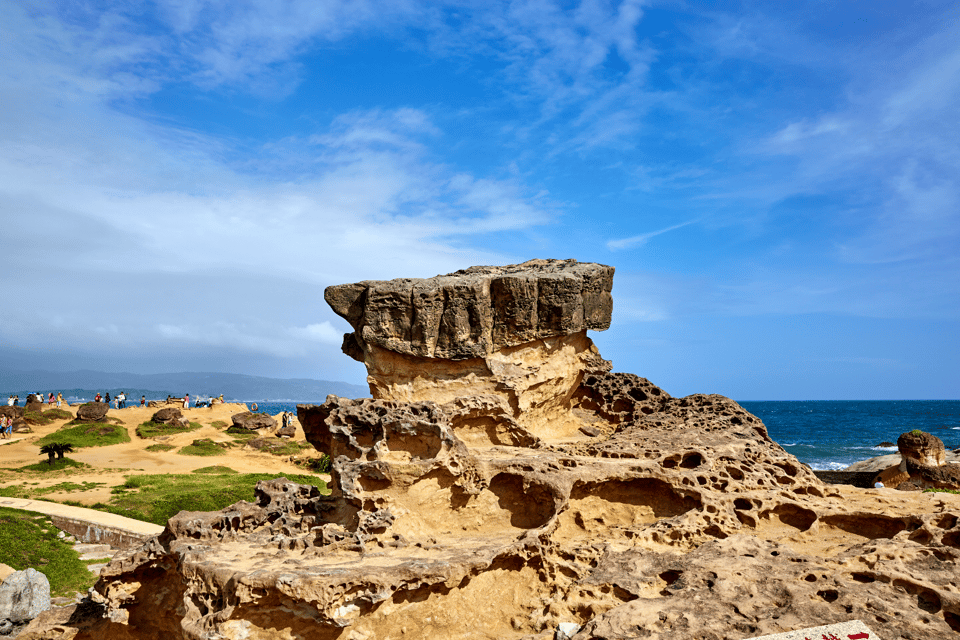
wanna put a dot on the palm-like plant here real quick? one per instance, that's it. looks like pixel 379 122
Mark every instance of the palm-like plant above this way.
pixel 50 450
pixel 63 448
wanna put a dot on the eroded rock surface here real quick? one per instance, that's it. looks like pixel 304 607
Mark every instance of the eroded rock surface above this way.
pixel 456 515
pixel 93 411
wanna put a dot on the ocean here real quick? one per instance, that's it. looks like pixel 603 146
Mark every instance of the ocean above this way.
pixel 828 434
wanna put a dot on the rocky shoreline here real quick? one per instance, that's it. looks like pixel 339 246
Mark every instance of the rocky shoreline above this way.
pixel 502 482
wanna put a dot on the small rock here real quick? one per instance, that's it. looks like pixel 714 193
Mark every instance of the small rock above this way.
pixel 566 630
pixel 886 444
pixel 24 595
pixel 587 430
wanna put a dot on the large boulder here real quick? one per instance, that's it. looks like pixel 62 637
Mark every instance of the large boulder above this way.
pixel 12 412
pixel 921 447
pixel 24 595
pixel 253 421
pixel 93 412
pixel 169 415
pixel 34 407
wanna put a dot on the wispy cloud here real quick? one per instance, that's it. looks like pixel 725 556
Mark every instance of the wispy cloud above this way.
pixel 639 240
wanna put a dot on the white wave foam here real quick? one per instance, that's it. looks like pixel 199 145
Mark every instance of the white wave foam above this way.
pixel 884 448
pixel 829 466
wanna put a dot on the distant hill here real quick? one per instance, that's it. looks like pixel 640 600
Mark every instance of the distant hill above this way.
pixel 233 386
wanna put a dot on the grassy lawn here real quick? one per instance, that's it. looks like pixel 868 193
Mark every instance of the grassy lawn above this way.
pixel 157 498
pixel 28 539
pixel 93 434
pixel 218 469
pixel 153 429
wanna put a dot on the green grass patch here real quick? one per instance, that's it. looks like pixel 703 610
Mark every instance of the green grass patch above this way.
pixel 66 487
pixel 154 429
pixel 58 465
pixel 214 470
pixel 161 447
pixel 46 417
pixel 87 434
pixel 219 424
pixel 279 447
pixel 204 447
pixel 157 498
pixel 29 539
pixel 933 490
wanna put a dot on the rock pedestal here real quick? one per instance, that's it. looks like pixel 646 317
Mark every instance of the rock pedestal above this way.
pixel 93 412
pixel 922 448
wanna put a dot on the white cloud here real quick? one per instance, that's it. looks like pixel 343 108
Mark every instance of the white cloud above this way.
pixel 319 332
pixel 643 238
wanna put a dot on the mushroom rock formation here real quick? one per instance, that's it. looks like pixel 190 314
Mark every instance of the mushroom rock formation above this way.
pixel 921 447
pixel 457 516
pixel 517 332
pixel 924 464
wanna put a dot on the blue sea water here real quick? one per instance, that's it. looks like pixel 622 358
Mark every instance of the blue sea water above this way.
pixel 833 434
pixel 828 434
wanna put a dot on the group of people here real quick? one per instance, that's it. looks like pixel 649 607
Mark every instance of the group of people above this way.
pixel 119 401
pixel 14 400
pixel 6 426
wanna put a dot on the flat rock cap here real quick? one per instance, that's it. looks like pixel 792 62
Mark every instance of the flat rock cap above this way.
pixel 474 312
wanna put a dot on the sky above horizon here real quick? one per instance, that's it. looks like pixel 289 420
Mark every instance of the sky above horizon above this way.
pixel 777 184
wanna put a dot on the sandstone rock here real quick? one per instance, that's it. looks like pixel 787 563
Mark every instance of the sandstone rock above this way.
pixel 12 412
pixel 23 595
pixel 467 501
pixel 474 312
pixel 93 411
pixel 922 448
pixel 34 407
pixel 288 431
pixel 253 421
pixel 168 415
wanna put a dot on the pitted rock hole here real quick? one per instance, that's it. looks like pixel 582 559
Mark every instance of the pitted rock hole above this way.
pixel 691 460
pixel 788 518
pixel 437 505
pixel 483 431
pixel 870 526
pixel 423 444
pixel 616 505
pixel 530 506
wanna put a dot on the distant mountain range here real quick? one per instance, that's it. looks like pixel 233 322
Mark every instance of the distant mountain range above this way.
pixel 85 384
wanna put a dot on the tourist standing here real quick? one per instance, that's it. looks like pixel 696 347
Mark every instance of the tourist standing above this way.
pixel 10 401
pixel 97 397
pixel 59 399
pixel 143 401
pixel 186 401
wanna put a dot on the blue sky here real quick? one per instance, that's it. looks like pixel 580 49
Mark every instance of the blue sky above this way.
pixel 777 184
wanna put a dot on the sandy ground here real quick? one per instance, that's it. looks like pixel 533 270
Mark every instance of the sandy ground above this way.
pixel 112 464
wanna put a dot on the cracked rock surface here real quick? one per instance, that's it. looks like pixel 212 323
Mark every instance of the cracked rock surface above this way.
pixel 456 515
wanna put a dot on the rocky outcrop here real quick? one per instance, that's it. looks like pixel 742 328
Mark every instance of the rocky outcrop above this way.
pixel 922 448
pixel 252 422
pixel 11 412
pixel 457 515
pixel 168 415
pixel 93 412
pixel 923 464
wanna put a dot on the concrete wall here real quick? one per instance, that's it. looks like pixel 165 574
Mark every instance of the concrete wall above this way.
pixel 85 531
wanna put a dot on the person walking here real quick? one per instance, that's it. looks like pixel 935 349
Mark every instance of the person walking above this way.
pixel 143 401
pixel 59 399
pixel 50 399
